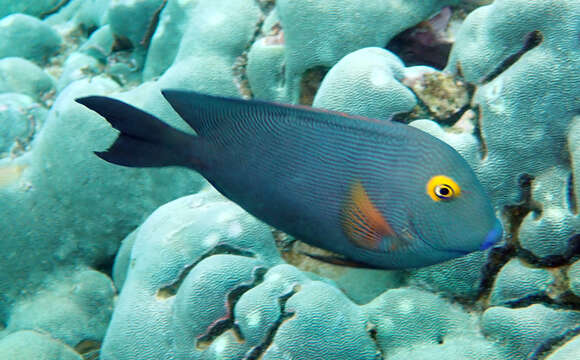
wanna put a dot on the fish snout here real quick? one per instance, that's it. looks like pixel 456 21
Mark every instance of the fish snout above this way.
pixel 493 236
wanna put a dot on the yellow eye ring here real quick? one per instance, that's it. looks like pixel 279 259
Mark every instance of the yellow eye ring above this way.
pixel 441 187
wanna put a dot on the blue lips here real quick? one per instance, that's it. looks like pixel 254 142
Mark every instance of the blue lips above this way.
pixel 493 236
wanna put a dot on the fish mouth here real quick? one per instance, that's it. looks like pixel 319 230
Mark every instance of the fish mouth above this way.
pixel 493 236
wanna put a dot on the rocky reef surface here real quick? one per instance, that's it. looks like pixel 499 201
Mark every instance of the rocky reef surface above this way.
pixel 100 261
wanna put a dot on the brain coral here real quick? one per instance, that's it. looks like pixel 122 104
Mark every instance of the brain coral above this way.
pixel 204 281
pixel 523 56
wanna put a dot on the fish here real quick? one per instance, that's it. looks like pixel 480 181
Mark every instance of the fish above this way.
pixel 375 192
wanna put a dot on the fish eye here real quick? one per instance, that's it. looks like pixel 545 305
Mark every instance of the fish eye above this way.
pixel 443 191
pixel 441 187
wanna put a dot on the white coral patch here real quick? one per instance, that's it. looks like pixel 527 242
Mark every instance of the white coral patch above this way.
pixel 211 239
pixel 235 229
pixel 215 19
pixel 273 277
pixel 388 325
pixel 254 318
pixel 493 94
pixel 555 215
pixel 406 307
pixel 380 77
pixel 184 3
pixel 219 344
pixel 225 216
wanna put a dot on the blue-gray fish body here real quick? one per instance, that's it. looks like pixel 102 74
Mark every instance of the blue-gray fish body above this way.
pixel 377 192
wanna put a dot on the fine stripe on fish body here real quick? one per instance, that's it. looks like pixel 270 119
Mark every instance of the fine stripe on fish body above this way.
pixel 376 192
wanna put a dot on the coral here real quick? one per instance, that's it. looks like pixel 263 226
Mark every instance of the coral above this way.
pixel 164 276
pixel 100 44
pixel 77 66
pixel 366 82
pixel 85 14
pixel 341 27
pixel 24 77
pixel 143 14
pixel 442 94
pixel 457 348
pixel 27 37
pixel 523 331
pixel 574 276
pixel 510 50
pixel 28 344
pixel 567 351
pixel 52 190
pixel 266 68
pixel 210 45
pixel 342 335
pixel 20 119
pixel 460 278
pixel 173 21
pixel 73 307
pixel 34 8
pixel 407 317
pixel 180 266
pixel 516 282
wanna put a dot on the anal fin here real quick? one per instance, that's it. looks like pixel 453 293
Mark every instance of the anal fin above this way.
pixel 341 261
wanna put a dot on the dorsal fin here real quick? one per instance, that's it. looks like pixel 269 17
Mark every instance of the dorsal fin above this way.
pixel 206 113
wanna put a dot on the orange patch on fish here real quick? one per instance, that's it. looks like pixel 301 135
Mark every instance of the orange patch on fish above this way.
pixel 362 222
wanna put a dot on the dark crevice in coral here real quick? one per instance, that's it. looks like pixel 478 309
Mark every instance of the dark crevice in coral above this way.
pixel 55 9
pixel 546 347
pixel 407 117
pixel 89 349
pixel 372 331
pixel 239 68
pixel 122 43
pixel 226 323
pixel 543 299
pixel 171 289
pixel 573 249
pixel 564 301
pixel 479 134
pixel 497 258
pixel 414 54
pixel 310 82
pixel 284 241
pixel 266 5
pixel 531 40
pixel 424 44
pixel 105 265
pixel 513 216
pixel 258 351
pixel 88 30
pixel 454 117
pixel 152 25
pixel 571 195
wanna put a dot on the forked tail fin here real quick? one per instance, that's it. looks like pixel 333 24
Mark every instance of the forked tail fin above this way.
pixel 144 141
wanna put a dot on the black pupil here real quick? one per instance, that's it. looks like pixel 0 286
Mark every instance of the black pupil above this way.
pixel 444 191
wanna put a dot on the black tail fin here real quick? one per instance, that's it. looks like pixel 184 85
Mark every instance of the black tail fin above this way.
pixel 145 141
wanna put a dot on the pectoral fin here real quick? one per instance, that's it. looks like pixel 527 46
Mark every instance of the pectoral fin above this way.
pixel 362 222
